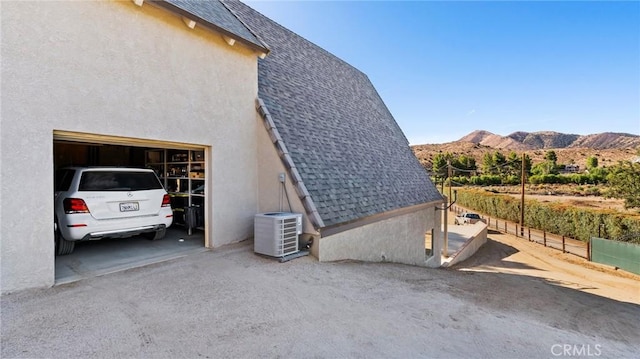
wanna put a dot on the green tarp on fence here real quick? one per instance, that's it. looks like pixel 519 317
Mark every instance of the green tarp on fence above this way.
pixel 615 253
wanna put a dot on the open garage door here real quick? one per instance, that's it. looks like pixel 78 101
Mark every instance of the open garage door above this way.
pixel 90 138
pixel 182 170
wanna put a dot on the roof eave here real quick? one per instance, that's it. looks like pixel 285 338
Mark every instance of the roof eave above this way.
pixel 363 221
pixel 228 36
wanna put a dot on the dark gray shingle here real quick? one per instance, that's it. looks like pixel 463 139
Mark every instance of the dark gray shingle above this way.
pixel 352 156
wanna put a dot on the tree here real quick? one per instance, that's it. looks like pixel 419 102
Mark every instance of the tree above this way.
pixel 527 164
pixel 439 168
pixel 514 164
pixel 468 162
pixel 551 156
pixel 488 165
pixel 540 169
pixel 550 164
pixel 592 162
pixel 499 162
pixel 624 183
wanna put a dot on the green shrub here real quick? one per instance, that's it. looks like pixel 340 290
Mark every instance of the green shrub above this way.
pixel 561 219
pixel 485 180
pixel 593 191
pixel 511 180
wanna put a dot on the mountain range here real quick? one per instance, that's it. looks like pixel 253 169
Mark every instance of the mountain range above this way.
pixel 608 147
pixel 552 140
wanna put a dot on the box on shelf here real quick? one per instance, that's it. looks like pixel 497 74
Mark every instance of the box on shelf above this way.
pixel 154 157
pixel 179 157
pixel 197 156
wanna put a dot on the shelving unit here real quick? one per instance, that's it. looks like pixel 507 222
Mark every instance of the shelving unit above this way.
pixel 183 174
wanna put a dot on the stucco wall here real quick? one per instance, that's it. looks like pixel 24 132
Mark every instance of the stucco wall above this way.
pixel 471 246
pixel 114 68
pixel 399 239
pixel 270 193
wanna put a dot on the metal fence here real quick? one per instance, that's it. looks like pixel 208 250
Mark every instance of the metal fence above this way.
pixel 562 243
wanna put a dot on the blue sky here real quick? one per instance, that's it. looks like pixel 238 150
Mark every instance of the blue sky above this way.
pixel 447 68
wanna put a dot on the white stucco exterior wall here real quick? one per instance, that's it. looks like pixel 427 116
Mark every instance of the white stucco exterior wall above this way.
pixel 269 187
pixel 117 69
pixel 398 239
pixel 471 246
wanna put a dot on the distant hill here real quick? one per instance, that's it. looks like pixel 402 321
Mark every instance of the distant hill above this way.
pixel 607 140
pixel 608 147
pixel 552 140
pixel 547 139
pixel 486 138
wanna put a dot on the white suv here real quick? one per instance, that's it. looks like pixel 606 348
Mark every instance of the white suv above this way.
pixel 468 218
pixel 106 202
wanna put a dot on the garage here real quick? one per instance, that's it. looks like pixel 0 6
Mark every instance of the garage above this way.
pixel 182 171
pixel 150 84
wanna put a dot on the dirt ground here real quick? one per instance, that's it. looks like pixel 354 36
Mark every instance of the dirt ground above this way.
pixel 593 202
pixel 508 254
pixel 514 299
pixel 569 195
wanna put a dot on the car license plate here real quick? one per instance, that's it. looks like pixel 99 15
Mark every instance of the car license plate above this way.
pixel 129 207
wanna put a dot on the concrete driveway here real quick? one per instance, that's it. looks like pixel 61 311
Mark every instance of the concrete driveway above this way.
pixel 95 258
pixel 231 303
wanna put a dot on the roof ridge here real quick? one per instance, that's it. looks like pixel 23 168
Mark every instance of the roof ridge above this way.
pixel 295 34
pixel 347 156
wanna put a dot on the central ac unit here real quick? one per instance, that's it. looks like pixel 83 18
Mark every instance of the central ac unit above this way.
pixel 276 233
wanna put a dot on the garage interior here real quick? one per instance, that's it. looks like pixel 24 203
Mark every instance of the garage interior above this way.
pixel 182 172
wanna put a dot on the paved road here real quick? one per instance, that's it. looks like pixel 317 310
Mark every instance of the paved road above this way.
pixel 231 303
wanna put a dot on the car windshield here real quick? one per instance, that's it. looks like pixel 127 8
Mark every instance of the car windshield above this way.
pixel 118 181
pixel 473 216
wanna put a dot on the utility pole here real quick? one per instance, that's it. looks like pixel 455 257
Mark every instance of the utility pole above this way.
pixel 445 215
pixel 522 196
pixel 449 175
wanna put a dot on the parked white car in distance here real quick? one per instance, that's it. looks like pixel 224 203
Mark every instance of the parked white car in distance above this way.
pixel 92 203
pixel 468 218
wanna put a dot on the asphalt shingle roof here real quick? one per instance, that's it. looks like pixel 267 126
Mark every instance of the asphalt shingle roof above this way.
pixel 351 154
